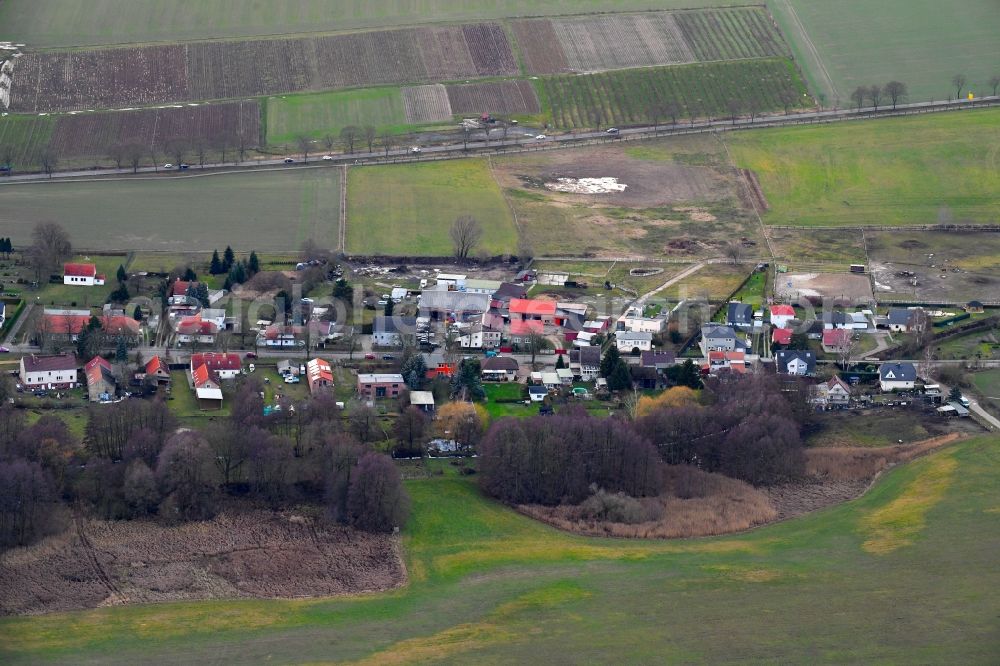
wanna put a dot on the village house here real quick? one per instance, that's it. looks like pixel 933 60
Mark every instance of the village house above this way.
pixel 503 294
pixel 629 342
pixel 521 331
pixel 177 294
pixel 585 363
pixel 523 309
pixel 389 331
pixel 900 319
pixel 282 336
pixel 658 360
pixel 478 336
pixel 319 374
pixel 597 325
pixel 835 340
pixel 719 361
pixel 500 369
pixel 101 382
pixel 48 372
pixel 634 321
pixel 82 275
pixel 207 387
pixel 375 386
pixel 897 377
pixel 781 336
pixel 782 316
pixel 224 365
pixel 834 393
pixel 195 330
pixel 452 281
pixel 715 337
pixel 739 315
pixel 440 366
pixel 157 371
pixel 795 362
pixel 835 319
pixel 422 400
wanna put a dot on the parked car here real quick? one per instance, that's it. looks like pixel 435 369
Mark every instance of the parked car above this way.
pixel 383 302
pixel 168 165
pixel 251 355
pixel 369 357
pixel 289 160
pixel 4 350
pixel 251 368
pixel 416 149
pixel 611 130
pixel 541 137
pixel 291 379
pixel 388 357
pixel 327 158
pixel 183 166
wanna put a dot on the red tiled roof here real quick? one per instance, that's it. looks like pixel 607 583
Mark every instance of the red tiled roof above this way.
pixel 532 306
pixel 180 287
pixel 97 369
pixel 120 324
pixel 518 327
pixel 80 270
pixel 836 336
pixel 783 310
pixel 782 336
pixel 156 364
pixel 201 375
pixel 61 324
pixel 214 361
pixel 34 363
pixel 275 331
pixel 196 326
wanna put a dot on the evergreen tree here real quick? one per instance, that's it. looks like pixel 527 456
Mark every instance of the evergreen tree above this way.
pixel 121 350
pixel 122 276
pixel 560 363
pixel 611 359
pixel 388 307
pixel 201 293
pixel 238 274
pixel 688 375
pixel 621 378
pixel 253 264
pixel 190 275
pixel 215 267
pixel 467 380
pixel 137 313
pixel 342 289
pixel 228 258
pixel 955 394
pixel 228 284
pixel 414 372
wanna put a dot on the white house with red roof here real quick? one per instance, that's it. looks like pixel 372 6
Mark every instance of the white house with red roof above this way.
pixel 225 365
pixel 837 339
pixel 48 372
pixel 157 371
pixel 782 315
pixel 529 309
pixel 192 330
pixel 82 275
pixel 319 374
pixel 207 372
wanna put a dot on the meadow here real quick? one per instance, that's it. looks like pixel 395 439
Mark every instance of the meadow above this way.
pixel 898 171
pixel 408 210
pixel 75 23
pixel 903 574
pixel 850 43
pixel 321 114
pixel 262 210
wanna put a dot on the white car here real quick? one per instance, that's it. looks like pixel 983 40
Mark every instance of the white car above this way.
pixel 416 149
pixel 168 165
pixel 328 157
pixel 383 302
pixel 541 137
pixel 291 379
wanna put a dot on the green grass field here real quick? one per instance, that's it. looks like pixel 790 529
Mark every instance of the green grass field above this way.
pixel 851 43
pixel 83 297
pixel 25 137
pixel 894 171
pixel 76 23
pixel 407 210
pixel 905 574
pixel 317 115
pixel 262 210
pixel 625 97
pixel 988 385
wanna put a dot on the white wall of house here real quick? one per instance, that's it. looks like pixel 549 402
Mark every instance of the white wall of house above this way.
pixel 81 280
pixel 46 377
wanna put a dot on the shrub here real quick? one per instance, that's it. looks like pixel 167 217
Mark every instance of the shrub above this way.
pixel 618 508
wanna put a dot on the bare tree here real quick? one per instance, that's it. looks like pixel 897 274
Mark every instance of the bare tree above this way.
pixel 201 151
pixel 845 349
pixel 525 253
pixel 896 90
pixel 305 144
pixel 370 134
pixel 241 150
pixel 672 109
pixel 733 107
pixel 178 150
pixel 875 94
pixel 222 145
pixel 466 232
pixel 734 251
pixel 348 136
pixel 387 141
pixel 995 83
pixel 328 142
pixel 654 111
pixel 959 81
pixel 133 154
pixel 787 99
pixel 49 161
pixel 858 97
pixel 596 117
pixel 7 158
pixel 117 154
pixel 50 247
pixel 153 157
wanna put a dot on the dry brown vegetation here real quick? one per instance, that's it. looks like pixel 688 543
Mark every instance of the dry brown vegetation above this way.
pixel 239 554
pixel 499 97
pixel 852 463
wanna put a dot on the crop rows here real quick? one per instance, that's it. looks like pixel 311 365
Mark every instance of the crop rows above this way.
pixel 620 41
pixel 731 34
pixel 23 138
pixel 540 47
pixel 425 104
pixel 147 75
pixel 504 97
pixel 701 90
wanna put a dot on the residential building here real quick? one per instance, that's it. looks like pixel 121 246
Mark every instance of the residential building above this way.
pixel 282 336
pixel 629 341
pixel 48 372
pixel 897 376
pixel 782 316
pixel 319 374
pixel 507 291
pixel 834 393
pixel 551 380
pixel 837 339
pixel 900 319
pixel 634 321
pixel 715 337
pixel 374 386
pixel 537 393
pixel 157 371
pixel 82 275
pixel 215 315
pixel 207 386
pixel 521 331
pixel 177 294
pixel 526 309
pixel 739 315
pixel 565 376
pixel 479 337
pixel 733 361
pixel 500 369
pixel 223 365
pixel 657 360
pixel 781 336
pixel 422 400
pixel 597 325
pixel 101 382
pixel 835 319
pixel 195 330
pixel 795 362
pixel 585 362
pixel 390 331
pixel 451 281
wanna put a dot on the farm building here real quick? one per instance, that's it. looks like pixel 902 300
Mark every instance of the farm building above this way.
pixel 101 382
pixel 442 304
pixel 82 275
pixel 481 286
pixel 373 386
pixel 48 372
pixel 319 374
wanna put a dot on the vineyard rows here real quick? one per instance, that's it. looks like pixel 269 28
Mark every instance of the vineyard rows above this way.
pixel 540 47
pixel 701 90
pixel 147 75
pixel 426 104
pixel 504 97
pixel 621 41
pixel 731 34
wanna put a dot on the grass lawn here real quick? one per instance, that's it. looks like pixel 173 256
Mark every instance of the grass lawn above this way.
pixel 503 391
pixel 833 175
pixel 754 290
pixel 874 427
pixel 714 282
pixel 408 210
pixel 84 297
pixel 987 383
pixel 320 114
pixel 981 344
pixel 263 210
pixel 859 42
pixel 903 574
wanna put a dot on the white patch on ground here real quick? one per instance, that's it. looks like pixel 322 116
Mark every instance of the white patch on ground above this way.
pixel 586 185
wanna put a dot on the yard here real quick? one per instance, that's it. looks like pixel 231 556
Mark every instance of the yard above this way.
pixel 408 210
pixel 274 210
pixel 82 297
pixel 488 585
pixel 987 383
pixel 714 282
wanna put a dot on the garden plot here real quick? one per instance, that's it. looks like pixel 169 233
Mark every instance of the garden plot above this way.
pixel 503 97
pixel 621 41
pixel 425 104
pixel 540 47
pixel 829 287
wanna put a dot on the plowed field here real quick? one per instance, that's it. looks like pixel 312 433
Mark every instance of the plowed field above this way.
pixel 620 41
pixel 426 104
pixel 495 98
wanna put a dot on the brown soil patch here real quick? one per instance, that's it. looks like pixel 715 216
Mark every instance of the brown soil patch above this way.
pixel 239 554
pixel 752 195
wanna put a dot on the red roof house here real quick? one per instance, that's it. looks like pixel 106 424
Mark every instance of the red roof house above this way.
pixel 100 379
pixel 525 328
pixel 781 336
pixel 226 365
pixel 528 307
pixel 81 275
pixel 836 338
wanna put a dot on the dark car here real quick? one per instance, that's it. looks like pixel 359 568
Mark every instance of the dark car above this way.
pixel 251 355
pixel 289 160
pixel 388 357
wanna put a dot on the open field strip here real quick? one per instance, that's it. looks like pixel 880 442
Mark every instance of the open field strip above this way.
pixel 407 210
pixel 914 170
pixel 851 43
pixel 320 114
pixel 487 585
pixel 263 210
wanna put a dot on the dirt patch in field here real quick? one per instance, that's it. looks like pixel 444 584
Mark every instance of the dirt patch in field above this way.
pixel 845 288
pixel 239 554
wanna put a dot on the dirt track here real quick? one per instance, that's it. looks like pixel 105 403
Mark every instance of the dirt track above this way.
pixel 244 554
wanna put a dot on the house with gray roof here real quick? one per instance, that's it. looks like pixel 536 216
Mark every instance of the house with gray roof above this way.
pixel 716 337
pixel 740 315
pixel 897 376
pixel 797 362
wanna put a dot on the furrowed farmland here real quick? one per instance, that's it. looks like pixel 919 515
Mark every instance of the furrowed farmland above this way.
pixel 709 89
pixel 426 103
pixel 504 97
pixel 731 34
